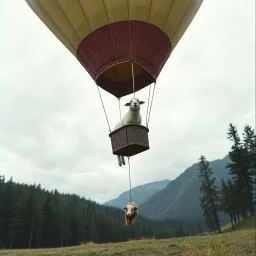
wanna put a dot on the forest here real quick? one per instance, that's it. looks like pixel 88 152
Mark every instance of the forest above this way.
pixel 32 217
pixel 236 197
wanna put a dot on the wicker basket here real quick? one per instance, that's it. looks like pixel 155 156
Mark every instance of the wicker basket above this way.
pixel 129 140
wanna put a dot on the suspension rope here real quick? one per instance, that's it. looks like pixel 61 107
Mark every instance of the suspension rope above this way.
pixel 151 102
pixel 133 80
pixel 119 109
pixel 104 108
pixel 129 32
pixel 130 179
pixel 130 46
pixel 148 105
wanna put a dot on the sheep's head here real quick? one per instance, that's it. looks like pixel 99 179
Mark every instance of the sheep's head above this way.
pixel 135 104
pixel 130 210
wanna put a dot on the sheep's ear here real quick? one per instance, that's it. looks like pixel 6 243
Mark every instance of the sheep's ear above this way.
pixel 142 102
pixel 136 208
pixel 124 209
pixel 127 104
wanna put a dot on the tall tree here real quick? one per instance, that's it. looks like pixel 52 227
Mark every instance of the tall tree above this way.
pixel 226 201
pixel 180 230
pixel 249 138
pixel 236 206
pixel 210 197
pixel 32 212
pixel 50 223
pixel 199 226
pixel 2 184
pixel 240 169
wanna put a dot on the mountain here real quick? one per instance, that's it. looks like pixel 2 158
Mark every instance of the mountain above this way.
pixel 180 198
pixel 141 193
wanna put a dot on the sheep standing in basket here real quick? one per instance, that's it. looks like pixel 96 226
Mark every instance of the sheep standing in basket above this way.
pixel 131 117
pixel 131 212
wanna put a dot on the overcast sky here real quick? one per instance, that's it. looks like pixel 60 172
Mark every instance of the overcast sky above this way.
pixel 54 131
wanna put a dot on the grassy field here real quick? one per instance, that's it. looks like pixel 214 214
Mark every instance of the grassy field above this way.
pixel 234 243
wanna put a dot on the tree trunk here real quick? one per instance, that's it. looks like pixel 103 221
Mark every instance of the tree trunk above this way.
pixel 238 218
pixel 231 219
pixel 252 209
pixel 61 241
pixel 39 239
pixel 11 240
pixel 31 234
pixel 249 194
pixel 234 216
pixel 84 235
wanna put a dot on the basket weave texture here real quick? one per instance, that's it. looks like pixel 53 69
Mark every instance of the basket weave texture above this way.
pixel 129 140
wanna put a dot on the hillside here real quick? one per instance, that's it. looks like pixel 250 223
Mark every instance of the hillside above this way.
pixel 180 198
pixel 246 224
pixel 237 243
pixel 141 193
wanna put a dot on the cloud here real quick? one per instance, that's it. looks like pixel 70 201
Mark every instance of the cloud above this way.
pixel 54 130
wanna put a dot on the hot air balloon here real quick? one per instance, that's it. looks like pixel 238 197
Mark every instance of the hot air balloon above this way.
pixel 122 44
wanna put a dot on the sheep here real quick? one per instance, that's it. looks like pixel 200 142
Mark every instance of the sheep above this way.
pixel 131 212
pixel 133 116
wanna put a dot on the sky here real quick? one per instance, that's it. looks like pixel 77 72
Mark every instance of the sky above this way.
pixel 54 131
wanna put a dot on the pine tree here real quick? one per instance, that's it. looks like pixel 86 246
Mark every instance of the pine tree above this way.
pixel 250 146
pixel 199 227
pixel 32 212
pixel 210 197
pixel 65 232
pixel 12 219
pixel 249 138
pixel 180 230
pixel 240 169
pixel 2 186
pixel 48 236
pixel 226 201
pixel 236 205
pixel 39 221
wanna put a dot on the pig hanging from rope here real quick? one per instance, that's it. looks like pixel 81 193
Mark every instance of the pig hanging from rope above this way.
pixel 133 116
pixel 131 212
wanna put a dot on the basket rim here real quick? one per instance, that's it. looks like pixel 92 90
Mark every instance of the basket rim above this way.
pixel 127 125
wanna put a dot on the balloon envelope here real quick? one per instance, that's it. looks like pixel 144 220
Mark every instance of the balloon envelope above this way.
pixel 104 35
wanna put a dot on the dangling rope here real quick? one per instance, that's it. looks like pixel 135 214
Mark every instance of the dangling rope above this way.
pixel 133 80
pixel 130 179
pixel 103 108
pixel 151 103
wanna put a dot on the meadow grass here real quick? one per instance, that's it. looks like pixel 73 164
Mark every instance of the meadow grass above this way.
pixel 234 243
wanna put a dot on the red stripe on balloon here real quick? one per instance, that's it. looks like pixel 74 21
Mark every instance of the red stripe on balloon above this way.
pixel 147 44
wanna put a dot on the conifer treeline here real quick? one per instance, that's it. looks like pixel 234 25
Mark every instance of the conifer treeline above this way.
pixel 236 197
pixel 31 217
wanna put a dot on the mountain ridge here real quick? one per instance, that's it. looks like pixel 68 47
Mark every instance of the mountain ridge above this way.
pixel 141 193
pixel 180 198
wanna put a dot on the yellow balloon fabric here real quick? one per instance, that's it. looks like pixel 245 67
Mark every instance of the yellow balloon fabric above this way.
pixel 107 35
